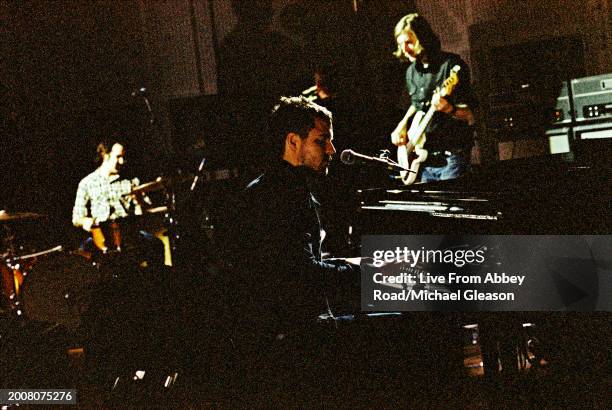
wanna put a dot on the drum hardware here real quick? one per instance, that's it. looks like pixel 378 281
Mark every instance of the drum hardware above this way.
pixel 170 236
pixel 8 241
pixel 112 238
pixel 14 275
pixel 101 232
pixel 160 183
pixel 162 234
pixel 156 210
pixel 6 220
pixel 171 224
pixel 57 248
pixel 57 289
pixel 107 237
pixel 112 230
pixel 157 185
pixel 11 270
pixel 166 184
pixel 19 216
pixel 173 238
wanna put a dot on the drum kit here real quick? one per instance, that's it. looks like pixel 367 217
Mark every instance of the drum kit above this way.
pixel 52 285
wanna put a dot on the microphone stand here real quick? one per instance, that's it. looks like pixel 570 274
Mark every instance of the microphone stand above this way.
pixel 172 222
pixel 151 117
pixel 384 156
pixel 142 92
pixel 349 157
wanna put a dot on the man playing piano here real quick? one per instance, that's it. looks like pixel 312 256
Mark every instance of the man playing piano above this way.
pixel 450 133
pixel 279 277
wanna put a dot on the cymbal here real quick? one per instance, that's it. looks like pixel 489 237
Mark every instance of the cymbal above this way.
pixel 18 216
pixel 159 184
pixel 156 210
pixel 156 185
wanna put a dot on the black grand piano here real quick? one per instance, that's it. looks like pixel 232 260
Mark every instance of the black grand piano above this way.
pixel 529 196
pixel 544 196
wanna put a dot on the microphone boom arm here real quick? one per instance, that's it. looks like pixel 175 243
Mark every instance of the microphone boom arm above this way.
pixel 348 156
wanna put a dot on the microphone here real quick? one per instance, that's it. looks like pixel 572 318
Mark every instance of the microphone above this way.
pixel 144 93
pixel 140 92
pixel 350 157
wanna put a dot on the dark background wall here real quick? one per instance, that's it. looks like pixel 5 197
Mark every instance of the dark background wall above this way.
pixel 212 69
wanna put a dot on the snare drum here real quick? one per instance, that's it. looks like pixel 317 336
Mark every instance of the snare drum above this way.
pixel 134 236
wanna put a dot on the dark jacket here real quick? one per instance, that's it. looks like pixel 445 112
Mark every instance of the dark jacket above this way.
pixel 282 279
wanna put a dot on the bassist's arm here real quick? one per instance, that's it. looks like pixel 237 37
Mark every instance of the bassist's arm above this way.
pixel 460 112
pixel 398 136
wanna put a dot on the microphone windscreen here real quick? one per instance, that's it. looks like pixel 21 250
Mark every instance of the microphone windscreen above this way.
pixel 347 157
pixel 140 91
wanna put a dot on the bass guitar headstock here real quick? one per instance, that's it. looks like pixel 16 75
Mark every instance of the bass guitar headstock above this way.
pixel 449 84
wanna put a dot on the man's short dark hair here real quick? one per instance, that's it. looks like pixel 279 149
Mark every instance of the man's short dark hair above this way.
pixel 297 115
pixel 104 147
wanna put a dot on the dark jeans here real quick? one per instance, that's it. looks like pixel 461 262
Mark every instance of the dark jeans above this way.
pixel 456 165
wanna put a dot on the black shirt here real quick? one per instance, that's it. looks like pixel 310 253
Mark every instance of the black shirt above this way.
pixel 444 132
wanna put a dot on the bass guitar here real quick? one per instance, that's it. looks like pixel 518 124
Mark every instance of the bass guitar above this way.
pixel 411 154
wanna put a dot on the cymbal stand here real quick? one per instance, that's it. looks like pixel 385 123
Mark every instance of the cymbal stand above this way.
pixel 171 221
pixel 10 286
pixel 8 242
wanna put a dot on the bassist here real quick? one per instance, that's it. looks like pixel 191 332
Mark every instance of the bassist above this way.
pixel 449 135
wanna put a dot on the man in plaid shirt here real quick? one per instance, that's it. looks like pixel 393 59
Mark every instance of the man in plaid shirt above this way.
pixel 104 196
pixel 104 191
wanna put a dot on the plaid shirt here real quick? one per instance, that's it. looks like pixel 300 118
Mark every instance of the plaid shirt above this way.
pixel 104 195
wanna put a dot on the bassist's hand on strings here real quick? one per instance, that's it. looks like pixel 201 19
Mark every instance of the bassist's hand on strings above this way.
pixel 398 137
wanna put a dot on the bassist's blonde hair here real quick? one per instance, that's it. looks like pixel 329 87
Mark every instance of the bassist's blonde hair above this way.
pixel 426 40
